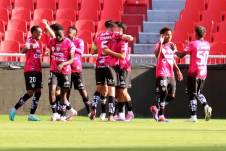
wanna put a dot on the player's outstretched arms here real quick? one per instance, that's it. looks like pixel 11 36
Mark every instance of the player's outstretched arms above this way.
pixel 114 54
pixel 159 49
pixel 127 37
pixel 179 74
pixel 48 28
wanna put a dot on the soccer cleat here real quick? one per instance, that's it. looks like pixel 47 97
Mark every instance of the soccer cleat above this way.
pixel 208 112
pixel 129 116
pixel 111 118
pixel 162 119
pixel 32 117
pixel 120 117
pixel 93 114
pixel 12 114
pixel 55 117
pixel 63 118
pixel 72 112
pixel 154 110
pixel 193 119
pixel 103 116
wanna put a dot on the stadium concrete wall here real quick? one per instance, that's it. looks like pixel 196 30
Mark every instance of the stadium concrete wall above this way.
pixel 12 86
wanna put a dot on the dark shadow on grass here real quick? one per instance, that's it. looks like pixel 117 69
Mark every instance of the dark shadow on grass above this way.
pixel 186 148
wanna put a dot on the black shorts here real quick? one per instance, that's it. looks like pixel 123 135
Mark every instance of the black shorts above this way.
pixel 194 85
pixel 123 78
pixel 33 80
pixel 61 80
pixel 166 84
pixel 77 81
pixel 105 75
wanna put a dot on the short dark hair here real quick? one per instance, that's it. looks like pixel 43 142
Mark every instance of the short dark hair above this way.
pixel 164 30
pixel 121 25
pixel 56 27
pixel 34 28
pixel 200 31
pixel 109 24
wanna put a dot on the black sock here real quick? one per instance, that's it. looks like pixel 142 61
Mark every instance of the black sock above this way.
pixel 162 108
pixel 35 101
pixel 53 107
pixel 120 107
pixel 103 104
pixel 22 100
pixel 58 100
pixel 116 108
pixel 129 105
pixel 111 104
pixel 95 100
pixel 86 103
pixel 68 106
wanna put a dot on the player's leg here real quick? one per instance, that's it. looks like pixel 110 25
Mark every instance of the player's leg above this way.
pixel 128 104
pixel 201 98
pixel 29 80
pixel 103 100
pixel 53 82
pixel 192 93
pixel 111 79
pixel 36 98
pixel 78 85
pixel 120 105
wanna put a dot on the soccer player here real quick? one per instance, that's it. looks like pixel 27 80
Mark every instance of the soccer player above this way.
pixel 62 55
pixel 123 69
pixel 76 66
pixel 197 72
pixel 105 74
pixel 165 79
pixel 32 74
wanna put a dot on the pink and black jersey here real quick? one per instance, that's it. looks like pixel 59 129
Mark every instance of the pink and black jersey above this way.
pixel 125 63
pixel 165 62
pixel 60 52
pixel 104 40
pixel 76 66
pixel 199 53
pixel 33 56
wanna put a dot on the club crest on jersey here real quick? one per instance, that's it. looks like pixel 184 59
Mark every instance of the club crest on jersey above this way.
pixel 57 48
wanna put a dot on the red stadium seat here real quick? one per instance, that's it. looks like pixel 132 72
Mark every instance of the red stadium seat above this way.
pixel 21 14
pixel 27 4
pixel 6 4
pixel 138 2
pixel 15 36
pixel 89 10
pixel 85 25
pixel 72 4
pixel 184 26
pixel 8 46
pixel 66 13
pixel 89 4
pixel 219 36
pixel 37 22
pixel 195 5
pixel 111 15
pixel 116 5
pixel 19 25
pixel 187 14
pixel 4 15
pixel 2 29
pixel 101 26
pixel 218 48
pixel 180 36
pixel 86 36
pixel 65 23
pixel 50 4
pixel 134 31
pixel 43 13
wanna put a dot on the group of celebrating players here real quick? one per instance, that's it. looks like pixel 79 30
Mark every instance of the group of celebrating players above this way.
pixel 112 72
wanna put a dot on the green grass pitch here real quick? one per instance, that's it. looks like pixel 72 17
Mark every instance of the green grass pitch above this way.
pixel 85 135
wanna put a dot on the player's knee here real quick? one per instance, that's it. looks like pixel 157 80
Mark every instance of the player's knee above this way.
pixel 30 93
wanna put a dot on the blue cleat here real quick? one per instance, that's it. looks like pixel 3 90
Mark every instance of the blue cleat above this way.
pixel 32 117
pixel 12 114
